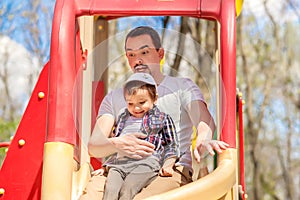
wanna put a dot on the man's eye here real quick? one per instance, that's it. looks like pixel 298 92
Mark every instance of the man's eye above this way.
pixel 145 52
pixel 130 54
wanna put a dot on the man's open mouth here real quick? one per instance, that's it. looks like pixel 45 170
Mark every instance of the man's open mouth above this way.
pixel 140 67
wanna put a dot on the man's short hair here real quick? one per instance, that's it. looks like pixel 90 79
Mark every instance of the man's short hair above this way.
pixel 145 30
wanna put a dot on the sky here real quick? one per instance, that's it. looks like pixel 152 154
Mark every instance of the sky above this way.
pixel 14 22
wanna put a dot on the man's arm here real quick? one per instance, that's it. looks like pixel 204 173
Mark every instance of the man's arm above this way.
pixel 205 124
pixel 100 145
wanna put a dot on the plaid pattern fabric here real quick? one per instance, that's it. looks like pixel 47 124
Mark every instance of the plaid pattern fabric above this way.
pixel 160 130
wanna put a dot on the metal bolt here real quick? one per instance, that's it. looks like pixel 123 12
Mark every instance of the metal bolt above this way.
pixel 41 95
pixel 2 191
pixel 21 142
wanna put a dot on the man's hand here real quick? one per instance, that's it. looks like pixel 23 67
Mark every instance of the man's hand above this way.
pixel 133 146
pixel 203 146
pixel 98 172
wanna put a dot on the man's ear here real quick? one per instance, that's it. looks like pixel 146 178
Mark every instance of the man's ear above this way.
pixel 161 52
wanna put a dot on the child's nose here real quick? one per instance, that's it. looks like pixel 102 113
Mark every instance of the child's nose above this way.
pixel 137 108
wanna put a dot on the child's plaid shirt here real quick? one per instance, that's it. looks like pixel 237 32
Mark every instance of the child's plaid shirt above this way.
pixel 160 130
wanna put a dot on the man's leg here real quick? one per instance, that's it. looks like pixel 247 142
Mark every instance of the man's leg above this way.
pixel 94 188
pixel 160 185
pixel 203 172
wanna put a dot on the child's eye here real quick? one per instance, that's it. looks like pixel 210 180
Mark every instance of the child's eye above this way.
pixel 142 102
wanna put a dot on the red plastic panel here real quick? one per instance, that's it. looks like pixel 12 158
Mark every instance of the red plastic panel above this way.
pixel 20 175
pixel 65 74
pixel 241 146
pixel 228 72
pixel 140 7
pixel 62 73
pixel 98 94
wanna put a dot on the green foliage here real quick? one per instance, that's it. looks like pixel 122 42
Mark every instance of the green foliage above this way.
pixel 7 129
pixel 2 155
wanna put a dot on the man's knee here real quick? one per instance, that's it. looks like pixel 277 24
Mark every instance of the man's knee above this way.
pixel 161 185
pixel 94 188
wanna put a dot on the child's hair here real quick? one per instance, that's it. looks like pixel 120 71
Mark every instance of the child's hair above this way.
pixel 131 88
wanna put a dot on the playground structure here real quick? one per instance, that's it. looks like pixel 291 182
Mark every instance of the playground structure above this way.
pixel 47 158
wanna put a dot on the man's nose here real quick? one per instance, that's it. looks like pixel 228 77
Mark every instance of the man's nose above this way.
pixel 139 61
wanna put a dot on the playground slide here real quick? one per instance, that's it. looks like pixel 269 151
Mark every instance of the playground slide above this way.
pixel 22 171
pixel 26 168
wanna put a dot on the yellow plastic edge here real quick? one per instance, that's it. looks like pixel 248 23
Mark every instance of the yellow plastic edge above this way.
pixel 57 171
pixel 238 7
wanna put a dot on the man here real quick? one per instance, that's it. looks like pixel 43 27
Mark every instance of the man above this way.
pixel 178 97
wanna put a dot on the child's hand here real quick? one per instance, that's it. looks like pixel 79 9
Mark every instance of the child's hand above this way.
pixel 98 172
pixel 167 168
pixel 167 172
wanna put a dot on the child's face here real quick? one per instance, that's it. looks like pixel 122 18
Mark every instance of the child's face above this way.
pixel 139 103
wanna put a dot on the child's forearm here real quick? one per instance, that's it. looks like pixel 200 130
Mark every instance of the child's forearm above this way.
pixel 167 168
